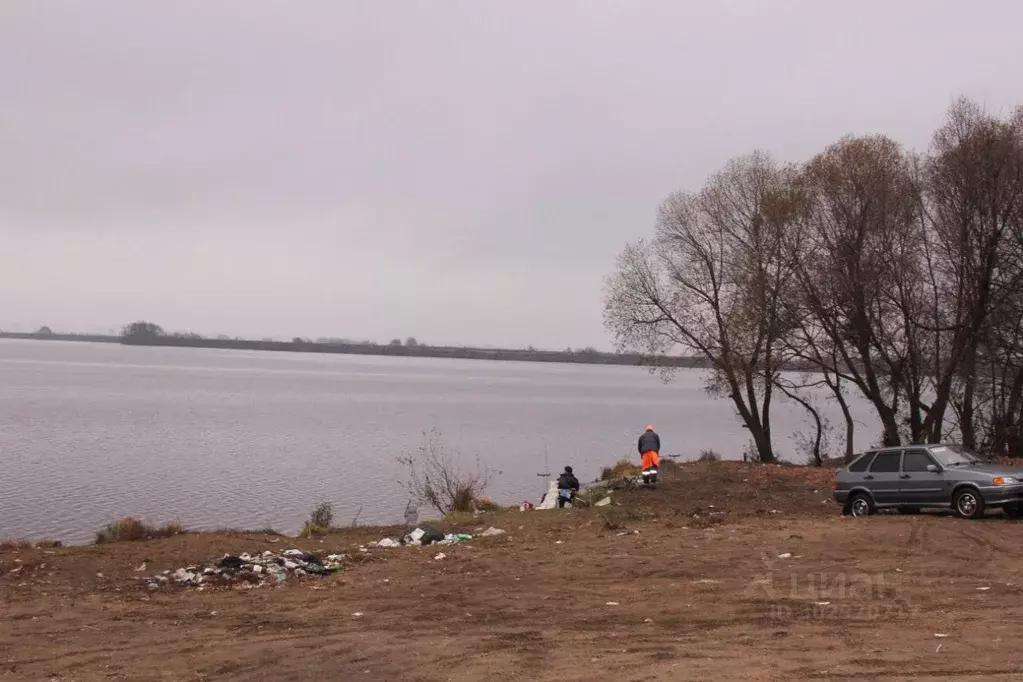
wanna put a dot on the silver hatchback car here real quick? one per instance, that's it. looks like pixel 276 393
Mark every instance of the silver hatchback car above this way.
pixel 914 477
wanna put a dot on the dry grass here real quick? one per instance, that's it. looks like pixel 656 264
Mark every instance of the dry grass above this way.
pixel 621 469
pixel 311 530
pixel 130 529
pixel 247 531
pixel 485 504
pixel 709 456
pixel 14 544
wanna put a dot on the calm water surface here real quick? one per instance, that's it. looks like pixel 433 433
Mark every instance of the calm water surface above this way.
pixel 211 439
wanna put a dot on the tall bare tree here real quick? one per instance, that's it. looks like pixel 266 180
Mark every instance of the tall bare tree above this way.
pixel 974 202
pixel 713 281
pixel 857 272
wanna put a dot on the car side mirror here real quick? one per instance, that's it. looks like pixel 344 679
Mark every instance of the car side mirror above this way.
pixel 933 468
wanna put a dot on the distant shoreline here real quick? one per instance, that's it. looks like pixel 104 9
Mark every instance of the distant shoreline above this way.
pixel 585 357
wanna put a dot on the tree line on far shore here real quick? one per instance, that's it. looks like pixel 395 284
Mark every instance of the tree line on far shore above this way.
pixel 146 333
pixel 894 274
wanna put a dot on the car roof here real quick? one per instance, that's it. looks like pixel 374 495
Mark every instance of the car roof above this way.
pixel 925 446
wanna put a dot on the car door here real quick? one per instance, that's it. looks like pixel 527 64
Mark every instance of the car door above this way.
pixel 917 485
pixel 882 479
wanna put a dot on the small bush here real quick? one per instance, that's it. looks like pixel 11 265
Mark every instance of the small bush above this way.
pixel 621 469
pixel 321 521
pixel 322 516
pixel 709 456
pixel 434 477
pixel 130 529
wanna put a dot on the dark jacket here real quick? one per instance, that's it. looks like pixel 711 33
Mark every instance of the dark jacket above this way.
pixel 568 481
pixel 649 441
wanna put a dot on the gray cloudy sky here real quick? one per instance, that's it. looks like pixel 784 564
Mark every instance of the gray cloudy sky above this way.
pixel 459 170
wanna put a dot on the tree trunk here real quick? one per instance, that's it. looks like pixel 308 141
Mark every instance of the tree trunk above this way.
pixel 889 424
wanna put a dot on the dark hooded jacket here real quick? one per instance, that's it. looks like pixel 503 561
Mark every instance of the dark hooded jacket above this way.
pixel 649 441
pixel 567 481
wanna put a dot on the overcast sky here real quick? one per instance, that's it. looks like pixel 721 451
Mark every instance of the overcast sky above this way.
pixel 461 171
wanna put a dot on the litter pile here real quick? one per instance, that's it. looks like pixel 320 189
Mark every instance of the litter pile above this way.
pixel 247 570
pixel 426 535
pixel 270 568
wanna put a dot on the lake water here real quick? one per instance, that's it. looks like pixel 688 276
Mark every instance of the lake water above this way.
pixel 212 439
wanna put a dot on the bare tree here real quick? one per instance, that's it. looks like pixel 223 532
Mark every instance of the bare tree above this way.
pixel 857 272
pixel 799 392
pixel 713 281
pixel 974 202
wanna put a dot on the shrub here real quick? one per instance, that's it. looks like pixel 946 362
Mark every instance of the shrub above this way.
pixel 433 477
pixel 323 515
pixel 130 529
pixel 709 456
pixel 321 521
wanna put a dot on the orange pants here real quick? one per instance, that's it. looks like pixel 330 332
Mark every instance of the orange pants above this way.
pixel 651 460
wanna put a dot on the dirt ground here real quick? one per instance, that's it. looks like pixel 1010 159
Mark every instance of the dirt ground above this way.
pixel 726 572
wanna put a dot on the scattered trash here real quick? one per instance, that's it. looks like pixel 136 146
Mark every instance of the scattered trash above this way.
pixel 649 620
pixel 559 542
pixel 939 648
pixel 491 532
pixel 940 635
pixel 141 568
pixel 440 556
pixel 526 506
pixel 357 614
pixel 786 555
pixel 612 603
pixel 823 603
pixel 603 503
pixel 983 589
pixel 388 542
pixel 424 535
pixel 247 571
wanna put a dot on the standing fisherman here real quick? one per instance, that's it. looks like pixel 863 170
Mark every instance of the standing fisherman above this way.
pixel 650 448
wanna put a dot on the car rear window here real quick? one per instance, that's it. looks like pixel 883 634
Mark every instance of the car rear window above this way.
pixel 886 462
pixel 863 462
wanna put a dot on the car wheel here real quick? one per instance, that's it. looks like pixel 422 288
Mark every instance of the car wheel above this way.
pixel 861 505
pixel 968 504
